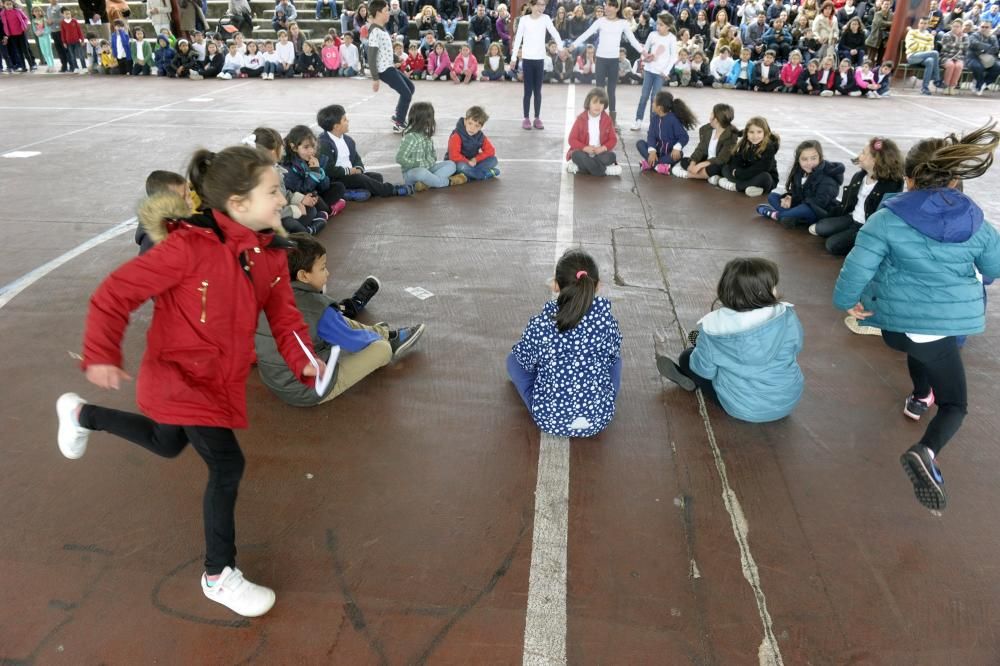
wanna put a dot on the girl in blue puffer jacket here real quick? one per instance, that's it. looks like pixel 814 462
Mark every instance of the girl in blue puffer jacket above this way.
pixel 745 352
pixel 912 273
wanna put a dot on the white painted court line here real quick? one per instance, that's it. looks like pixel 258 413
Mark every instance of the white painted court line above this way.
pixel 964 121
pixel 11 290
pixel 545 623
pixel 114 120
pixel 839 145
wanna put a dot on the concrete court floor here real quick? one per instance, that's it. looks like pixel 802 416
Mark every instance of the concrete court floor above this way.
pixel 396 522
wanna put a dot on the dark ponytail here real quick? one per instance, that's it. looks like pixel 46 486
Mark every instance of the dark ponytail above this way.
pixel 215 177
pixel 577 278
pixel 681 111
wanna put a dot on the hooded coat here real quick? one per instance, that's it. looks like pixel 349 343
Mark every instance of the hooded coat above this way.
pixel 914 264
pixel 750 357
pixel 210 278
pixel 819 190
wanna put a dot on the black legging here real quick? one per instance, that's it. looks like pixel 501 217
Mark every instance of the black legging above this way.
pixel 935 365
pixel 532 71
pixel 839 233
pixel 707 389
pixel 762 180
pixel 606 73
pixel 216 446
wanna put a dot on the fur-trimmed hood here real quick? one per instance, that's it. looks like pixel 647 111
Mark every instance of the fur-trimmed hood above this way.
pixel 158 211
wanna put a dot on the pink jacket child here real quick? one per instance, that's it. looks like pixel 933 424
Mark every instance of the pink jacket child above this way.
pixel 15 23
pixel 331 58
pixel 865 78
pixel 438 63
pixel 464 67
pixel 790 74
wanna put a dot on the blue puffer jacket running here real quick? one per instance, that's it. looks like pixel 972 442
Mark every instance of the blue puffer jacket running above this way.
pixel 914 264
pixel 751 359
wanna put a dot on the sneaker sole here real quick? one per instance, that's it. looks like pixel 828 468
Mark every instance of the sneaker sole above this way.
pixel 67 431
pixel 668 370
pixel 908 414
pixel 861 329
pixel 754 191
pixel 405 347
pixel 926 489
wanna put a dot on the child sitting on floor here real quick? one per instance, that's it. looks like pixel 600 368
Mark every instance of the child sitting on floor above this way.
pixel 810 191
pixel 464 68
pixel 363 349
pixel 845 83
pixel 716 143
pixel 330 54
pixel 415 66
pixel 307 171
pixel 470 150
pixel 744 354
pixel 416 156
pixel 299 214
pixel 752 169
pixel 667 135
pixel 593 138
pixel 791 71
pixel 567 365
pixel 345 163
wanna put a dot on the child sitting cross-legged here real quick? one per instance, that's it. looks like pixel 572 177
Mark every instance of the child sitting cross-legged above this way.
pixel 751 168
pixel 306 171
pixel 470 150
pixel 363 349
pixel 345 165
pixel 810 191
pixel 592 139
pixel 667 136
pixel 416 155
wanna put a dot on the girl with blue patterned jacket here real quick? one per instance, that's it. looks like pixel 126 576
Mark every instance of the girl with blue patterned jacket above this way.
pixel 914 273
pixel 567 366
pixel 745 353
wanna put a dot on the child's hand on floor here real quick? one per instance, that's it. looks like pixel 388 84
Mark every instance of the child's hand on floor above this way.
pixel 106 376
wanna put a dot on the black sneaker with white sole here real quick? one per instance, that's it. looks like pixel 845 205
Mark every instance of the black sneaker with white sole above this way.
pixel 928 483
pixel 402 339
pixel 670 370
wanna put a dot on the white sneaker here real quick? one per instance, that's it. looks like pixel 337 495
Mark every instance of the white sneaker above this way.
pixel 679 172
pixel 613 170
pixel 812 230
pixel 859 329
pixel 571 167
pixel 826 93
pixel 195 76
pixel 238 594
pixel 636 126
pixel 713 180
pixel 727 184
pixel 754 191
pixel 225 76
pixel 981 90
pixel 871 94
pixel 72 436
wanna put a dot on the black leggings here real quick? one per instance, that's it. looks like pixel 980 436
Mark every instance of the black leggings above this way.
pixel 935 365
pixel 532 71
pixel 684 363
pixel 839 233
pixel 369 180
pixel 606 73
pixel 216 446
pixel 332 194
pixel 761 180
pixel 593 165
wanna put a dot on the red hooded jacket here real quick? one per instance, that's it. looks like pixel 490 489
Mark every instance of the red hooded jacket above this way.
pixel 210 277
pixel 579 135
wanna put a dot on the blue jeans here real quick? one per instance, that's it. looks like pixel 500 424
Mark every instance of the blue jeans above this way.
pixel 333 9
pixel 931 64
pixel 651 84
pixel 449 26
pixel 402 85
pixel 436 176
pixel 801 212
pixel 524 381
pixel 270 68
pixel 479 172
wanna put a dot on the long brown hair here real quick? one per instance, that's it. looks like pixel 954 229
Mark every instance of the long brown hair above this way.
pixel 215 177
pixel 769 136
pixel 577 278
pixel 888 159
pixel 937 162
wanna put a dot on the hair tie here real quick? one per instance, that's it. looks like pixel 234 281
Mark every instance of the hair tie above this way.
pixel 580 274
pixel 249 140
pixel 877 144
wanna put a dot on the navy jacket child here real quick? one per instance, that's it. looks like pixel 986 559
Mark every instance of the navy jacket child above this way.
pixel 302 178
pixel 333 140
pixel 328 149
pixel 819 190
pixel 665 135
pixel 464 146
pixel 164 55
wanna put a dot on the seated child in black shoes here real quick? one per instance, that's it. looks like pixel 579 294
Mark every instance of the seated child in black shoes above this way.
pixel 343 162
pixel 363 349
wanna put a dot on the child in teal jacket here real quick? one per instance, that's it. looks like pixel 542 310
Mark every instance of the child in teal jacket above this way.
pixel 915 273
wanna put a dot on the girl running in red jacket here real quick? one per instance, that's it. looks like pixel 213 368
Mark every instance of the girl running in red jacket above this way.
pixel 211 274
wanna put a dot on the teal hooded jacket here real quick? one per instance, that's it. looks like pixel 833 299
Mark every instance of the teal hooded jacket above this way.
pixel 914 264
pixel 751 359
